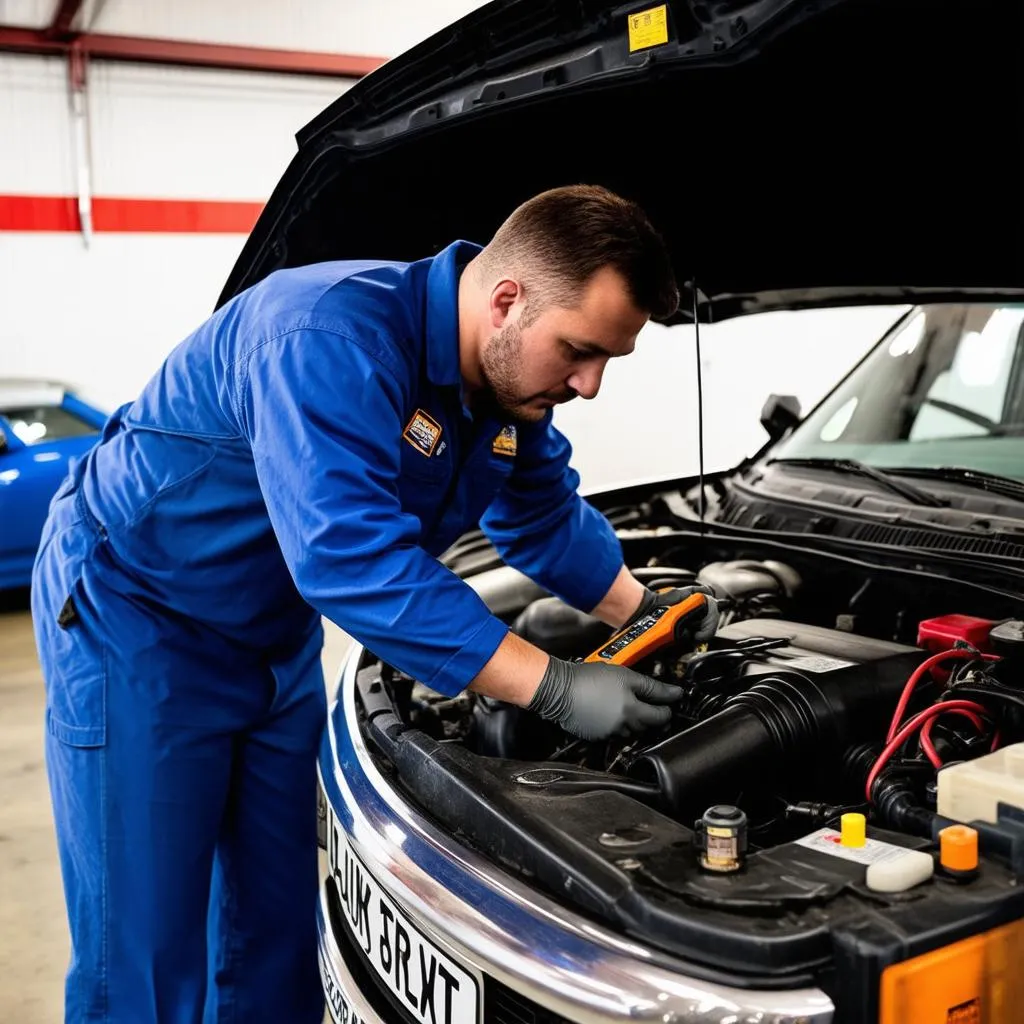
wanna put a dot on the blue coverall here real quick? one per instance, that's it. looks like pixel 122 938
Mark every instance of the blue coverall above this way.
pixel 305 452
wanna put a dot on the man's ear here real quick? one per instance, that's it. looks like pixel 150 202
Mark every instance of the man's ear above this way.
pixel 504 296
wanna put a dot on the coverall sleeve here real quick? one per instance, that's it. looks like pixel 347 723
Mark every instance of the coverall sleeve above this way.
pixel 323 418
pixel 542 526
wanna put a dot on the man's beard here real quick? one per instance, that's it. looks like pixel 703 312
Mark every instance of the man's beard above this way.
pixel 501 397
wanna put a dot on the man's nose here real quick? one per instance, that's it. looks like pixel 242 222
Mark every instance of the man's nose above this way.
pixel 587 382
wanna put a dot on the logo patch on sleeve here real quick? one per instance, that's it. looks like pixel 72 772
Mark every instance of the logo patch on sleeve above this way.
pixel 422 433
pixel 505 442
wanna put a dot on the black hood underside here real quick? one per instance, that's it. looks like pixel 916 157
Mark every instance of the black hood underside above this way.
pixel 793 153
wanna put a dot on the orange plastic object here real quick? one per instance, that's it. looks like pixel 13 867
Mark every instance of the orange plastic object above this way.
pixel 975 981
pixel 958 848
pixel 654 630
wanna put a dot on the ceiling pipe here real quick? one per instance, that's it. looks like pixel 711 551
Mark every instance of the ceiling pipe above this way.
pixel 181 53
pixel 63 18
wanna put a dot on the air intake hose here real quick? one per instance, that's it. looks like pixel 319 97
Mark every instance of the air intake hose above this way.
pixel 781 717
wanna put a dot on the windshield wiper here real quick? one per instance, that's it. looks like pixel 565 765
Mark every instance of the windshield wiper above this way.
pixel 908 491
pixel 1006 486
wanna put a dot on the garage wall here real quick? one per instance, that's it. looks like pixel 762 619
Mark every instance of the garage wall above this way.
pixel 207 145
pixel 33 13
pixel 171 133
pixel 181 162
pixel 378 27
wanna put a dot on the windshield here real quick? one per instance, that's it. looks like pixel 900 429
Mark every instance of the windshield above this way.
pixel 944 388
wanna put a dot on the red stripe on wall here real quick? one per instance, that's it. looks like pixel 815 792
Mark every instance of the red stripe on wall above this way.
pixel 38 213
pixel 148 216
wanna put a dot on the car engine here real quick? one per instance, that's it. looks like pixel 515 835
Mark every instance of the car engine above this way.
pixel 782 719
pixel 830 701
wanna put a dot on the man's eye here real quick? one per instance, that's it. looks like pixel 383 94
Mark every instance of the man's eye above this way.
pixel 574 353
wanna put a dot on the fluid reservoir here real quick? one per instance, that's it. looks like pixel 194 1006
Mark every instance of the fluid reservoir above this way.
pixel 972 790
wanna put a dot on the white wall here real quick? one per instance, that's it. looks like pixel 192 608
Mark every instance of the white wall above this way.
pixel 103 317
pixel 197 133
pixel 379 28
pixel 36 156
pixel 29 13
pixel 155 131
pixel 373 27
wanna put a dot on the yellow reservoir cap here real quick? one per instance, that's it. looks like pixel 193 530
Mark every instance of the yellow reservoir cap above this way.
pixel 958 848
pixel 852 830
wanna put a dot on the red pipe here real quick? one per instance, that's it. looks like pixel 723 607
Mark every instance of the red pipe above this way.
pixel 186 54
pixel 63 18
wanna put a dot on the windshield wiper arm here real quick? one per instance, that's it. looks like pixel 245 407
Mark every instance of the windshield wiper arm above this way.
pixel 915 494
pixel 1006 486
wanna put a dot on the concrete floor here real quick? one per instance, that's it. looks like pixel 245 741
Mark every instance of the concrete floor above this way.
pixel 33 929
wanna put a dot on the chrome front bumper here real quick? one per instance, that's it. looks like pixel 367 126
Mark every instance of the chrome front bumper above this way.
pixel 494 926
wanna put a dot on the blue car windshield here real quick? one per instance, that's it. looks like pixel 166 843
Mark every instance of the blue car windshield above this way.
pixel 46 423
pixel 945 388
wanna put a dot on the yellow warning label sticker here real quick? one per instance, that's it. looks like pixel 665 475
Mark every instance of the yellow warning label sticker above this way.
pixel 506 442
pixel 648 28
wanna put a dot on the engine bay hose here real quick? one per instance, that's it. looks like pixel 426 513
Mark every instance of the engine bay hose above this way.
pixel 768 726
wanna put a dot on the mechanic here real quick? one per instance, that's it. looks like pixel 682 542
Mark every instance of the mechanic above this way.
pixel 308 451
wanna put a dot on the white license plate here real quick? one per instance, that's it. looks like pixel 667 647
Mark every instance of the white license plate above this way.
pixel 432 987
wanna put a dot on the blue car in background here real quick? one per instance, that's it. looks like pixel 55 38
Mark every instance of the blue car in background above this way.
pixel 42 426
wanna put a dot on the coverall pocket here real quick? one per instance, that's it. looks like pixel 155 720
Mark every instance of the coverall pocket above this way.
pixel 423 485
pixel 76 680
pixel 430 470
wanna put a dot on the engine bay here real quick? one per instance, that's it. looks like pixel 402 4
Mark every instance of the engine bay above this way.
pixel 788 822
pixel 782 718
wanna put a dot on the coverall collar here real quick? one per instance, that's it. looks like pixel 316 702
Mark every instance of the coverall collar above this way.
pixel 443 313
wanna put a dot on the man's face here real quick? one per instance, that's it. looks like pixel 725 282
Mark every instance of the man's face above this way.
pixel 562 353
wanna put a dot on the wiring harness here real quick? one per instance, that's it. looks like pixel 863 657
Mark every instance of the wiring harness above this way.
pixel 971 691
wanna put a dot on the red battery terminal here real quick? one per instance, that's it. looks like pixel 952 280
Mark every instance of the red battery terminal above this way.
pixel 945 632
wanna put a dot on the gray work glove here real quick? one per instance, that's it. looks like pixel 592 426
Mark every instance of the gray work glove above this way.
pixel 699 632
pixel 594 701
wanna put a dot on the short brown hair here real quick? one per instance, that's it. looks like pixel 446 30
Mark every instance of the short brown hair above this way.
pixel 560 238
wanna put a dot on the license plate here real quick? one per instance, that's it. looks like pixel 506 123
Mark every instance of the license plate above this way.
pixel 974 981
pixel 432 987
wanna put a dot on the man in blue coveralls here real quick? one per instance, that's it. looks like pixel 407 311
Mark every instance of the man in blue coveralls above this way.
pixel 308 452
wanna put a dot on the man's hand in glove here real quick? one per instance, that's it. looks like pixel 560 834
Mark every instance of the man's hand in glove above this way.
pixel 700 632
pixel 593 701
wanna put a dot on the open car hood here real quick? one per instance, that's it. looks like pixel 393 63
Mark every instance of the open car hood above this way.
pixel 794 153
